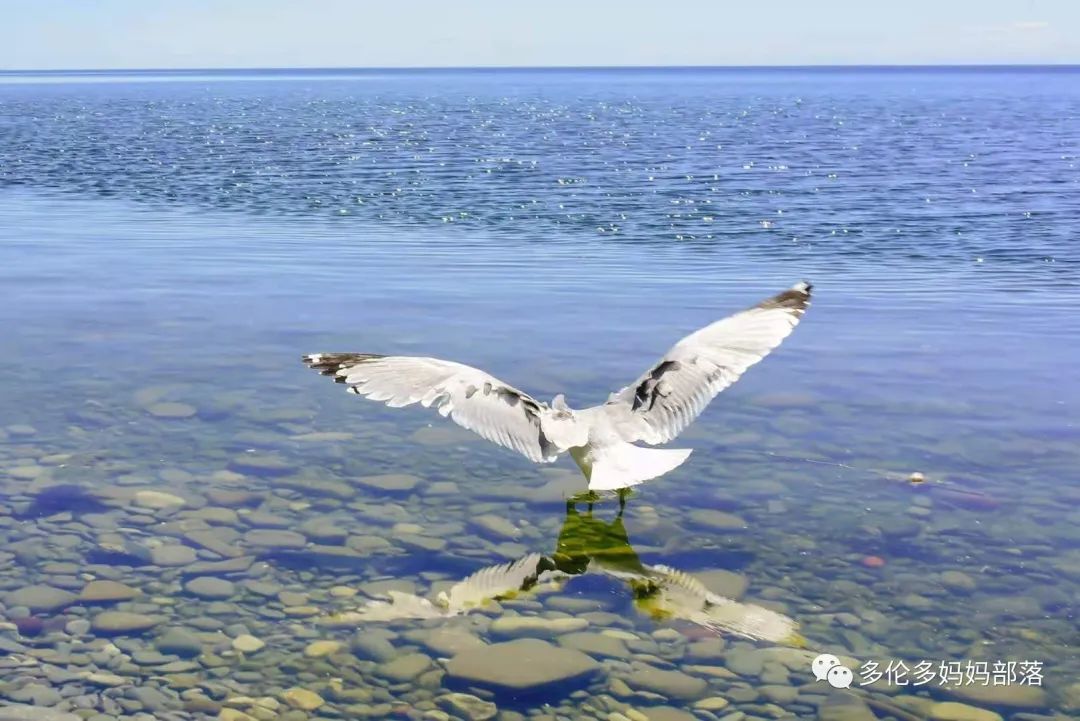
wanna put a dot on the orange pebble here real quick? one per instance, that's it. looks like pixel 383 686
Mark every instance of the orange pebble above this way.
pixel 873 561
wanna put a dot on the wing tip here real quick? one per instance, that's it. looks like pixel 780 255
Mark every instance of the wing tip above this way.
pixel 795 299
pixel 328 364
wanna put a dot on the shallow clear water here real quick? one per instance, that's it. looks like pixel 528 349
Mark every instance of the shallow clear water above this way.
pixel 172 248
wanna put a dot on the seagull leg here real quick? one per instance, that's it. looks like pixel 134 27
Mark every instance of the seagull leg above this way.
pixel 589 497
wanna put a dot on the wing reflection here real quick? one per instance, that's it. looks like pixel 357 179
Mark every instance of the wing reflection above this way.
pixel 588 545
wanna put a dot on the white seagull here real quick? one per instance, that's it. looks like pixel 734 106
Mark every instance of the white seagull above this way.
pixel 660 592
pixel 654 409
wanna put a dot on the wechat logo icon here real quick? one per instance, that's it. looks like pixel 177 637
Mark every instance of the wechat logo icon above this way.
pixel 827 667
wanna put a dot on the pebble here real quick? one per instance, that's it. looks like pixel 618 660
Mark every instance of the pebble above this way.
pixel 843 706
pixel 107 592
pixel 103 678
pixel 1011 695
pixel 246 643
pixel 434 714
pixel 178 641
pixel 391 482
pixel 158 500
pixel 372 648
pixel 232 714
pixel 25 473
pixel 300 611
pixel 671 684
pixel 496 526
pixel 77 627
pixel 718 520
pixel 778 693
pixel 36 694
pixel 667 635
pixel 318 649
pixel 713 703
pixel 1070 697
pixel 507 627
pixel 620 634
pixel 257 464
pixel 232 498
pixel 745 661
pixel 468 706
pixel 596 645
pixel 292 598
pixel 120 622
pixel 953 711
pixel 443 488
pixel 323 437
pixel 270 538
pixel 324 530
pixel 214 541
pixel 669 713
pixel 301 698
pixel 421 543
pixel 447 641
pixel 527 664
pixel 958 581
pixel 405 667
pixel 265 519
pixel 21 712
pixel 316 488
pixel 706 649
pixel 219 568
pixel 40 598
pixel 172 555
pixel 210 587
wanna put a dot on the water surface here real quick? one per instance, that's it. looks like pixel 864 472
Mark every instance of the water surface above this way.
pixel 170 249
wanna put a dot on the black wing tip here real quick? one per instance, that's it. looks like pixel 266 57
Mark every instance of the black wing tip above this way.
pixel 328 364
pixel 795 298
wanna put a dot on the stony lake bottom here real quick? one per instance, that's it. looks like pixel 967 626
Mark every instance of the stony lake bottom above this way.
pixel 187 513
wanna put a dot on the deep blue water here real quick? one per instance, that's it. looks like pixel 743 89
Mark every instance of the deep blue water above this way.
pixel 197 233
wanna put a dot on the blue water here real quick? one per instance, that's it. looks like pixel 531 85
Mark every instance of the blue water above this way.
pixel 189 236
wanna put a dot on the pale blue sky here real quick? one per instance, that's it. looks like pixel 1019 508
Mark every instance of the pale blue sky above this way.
pixel 53 34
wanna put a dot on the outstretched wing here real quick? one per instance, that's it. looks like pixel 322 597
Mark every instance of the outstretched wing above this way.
pixel 470 397
pixel 495 582
pixel 671 394
pixel 400 606
pixel 677 594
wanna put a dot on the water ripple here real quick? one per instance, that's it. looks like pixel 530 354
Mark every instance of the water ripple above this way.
pixel 899 166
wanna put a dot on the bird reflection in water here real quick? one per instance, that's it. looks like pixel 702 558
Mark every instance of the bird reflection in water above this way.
pixel 588 545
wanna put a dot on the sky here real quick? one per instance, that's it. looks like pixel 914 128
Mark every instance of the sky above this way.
pixel 107 34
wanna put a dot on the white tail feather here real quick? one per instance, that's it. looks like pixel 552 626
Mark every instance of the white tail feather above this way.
pixel 624 465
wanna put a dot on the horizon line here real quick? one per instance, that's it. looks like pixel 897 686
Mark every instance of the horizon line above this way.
pixel 416 68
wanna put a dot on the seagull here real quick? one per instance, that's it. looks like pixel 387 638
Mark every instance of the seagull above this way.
pixel 586 545
pixel 652 410
pixel 660 592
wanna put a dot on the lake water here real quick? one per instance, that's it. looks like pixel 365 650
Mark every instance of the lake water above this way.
pixel 171 244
